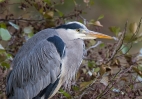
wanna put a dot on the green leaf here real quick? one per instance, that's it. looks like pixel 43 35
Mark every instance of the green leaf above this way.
pixel 14 25
pixel 96 69
pixel 100 17
pixel 28 29
pixel 30 35
pixel 66 94
pixel 125 49
pixel 91 64
pixel 92 2
pixel 75 88
pixel 102 45
pixel 114 30
pixel 2 57
pixel 47 1
pixel 3 25
pixel 5 35
pixel 2 1
pixel 60 13
pixel 5 64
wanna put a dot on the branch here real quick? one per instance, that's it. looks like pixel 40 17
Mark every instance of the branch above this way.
pixel 84 20
pixel 85 52
pixel 27 20
pixel 134 35
pixel 119 44
pixel 108 86
pixel 22 20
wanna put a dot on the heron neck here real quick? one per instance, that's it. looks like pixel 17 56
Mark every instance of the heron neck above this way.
pixel 73 58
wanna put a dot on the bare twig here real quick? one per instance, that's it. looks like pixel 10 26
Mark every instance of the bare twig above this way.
pixel 27 20
pixel 119 44
pixel 94 46
pixel 134 35
pixel 84 20
pixel 108 86
pixel 87 88
pixel 22 20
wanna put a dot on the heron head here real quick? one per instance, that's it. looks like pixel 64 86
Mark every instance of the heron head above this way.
pixel 80 31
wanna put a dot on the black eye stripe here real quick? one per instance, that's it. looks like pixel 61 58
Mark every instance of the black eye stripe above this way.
pixel 70 26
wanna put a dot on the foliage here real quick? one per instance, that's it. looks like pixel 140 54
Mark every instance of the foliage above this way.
pixel 108 71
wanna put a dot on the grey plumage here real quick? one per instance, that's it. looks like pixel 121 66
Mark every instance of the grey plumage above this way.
pixel 42 65
pixel 32 71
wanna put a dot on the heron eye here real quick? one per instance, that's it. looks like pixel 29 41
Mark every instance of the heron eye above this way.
pixel 78 30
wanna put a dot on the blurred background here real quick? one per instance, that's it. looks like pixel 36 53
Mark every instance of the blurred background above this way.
pixel 115 12
pixel 21 19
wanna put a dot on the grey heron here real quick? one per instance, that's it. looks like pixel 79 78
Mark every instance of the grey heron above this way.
pixel 48 60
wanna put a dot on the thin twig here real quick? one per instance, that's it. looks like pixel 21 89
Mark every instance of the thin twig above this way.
pixel 94 46
pixel 22 20
pixel 134 35
pixel 27 20
pixel 121 74
pixel 106 89
pixel 119 44
pixel 87 88
pixel 84 20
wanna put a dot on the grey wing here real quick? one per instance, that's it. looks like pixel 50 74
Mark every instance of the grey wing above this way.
pixel 33 71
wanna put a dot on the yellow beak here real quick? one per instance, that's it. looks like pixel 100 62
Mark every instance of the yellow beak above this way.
pixel 98 35
pixel 94 35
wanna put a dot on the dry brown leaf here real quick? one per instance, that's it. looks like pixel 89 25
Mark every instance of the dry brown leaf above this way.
pixel 114 70
pixel 86 1
pixel 102 69
pixel 104 80
pixel 94 74
pixel 84 70
pixel 117 61
pixel 50 13
pixel 137 71
pixel 84 85
pixel 133 27
pixel 124 79
pixel 97 23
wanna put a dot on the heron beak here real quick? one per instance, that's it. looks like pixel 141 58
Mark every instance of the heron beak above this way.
pixel 94 35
